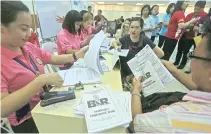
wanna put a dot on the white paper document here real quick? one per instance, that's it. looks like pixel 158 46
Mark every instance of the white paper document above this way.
pixel 151 83
pixel 147 54
pixel 73 76
pixel 120 52
pixel 105 45
pixel 104 108
pixel 88 70
pixel 91 57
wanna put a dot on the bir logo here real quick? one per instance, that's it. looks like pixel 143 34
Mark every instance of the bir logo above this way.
pixel 97 101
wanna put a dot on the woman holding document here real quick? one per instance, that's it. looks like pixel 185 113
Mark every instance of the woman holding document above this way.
pixel 22 67
pixel 135 41
pixel 68 39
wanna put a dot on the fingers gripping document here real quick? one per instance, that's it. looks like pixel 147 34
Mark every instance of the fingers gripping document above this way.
pixel 93 71
pixel 148 65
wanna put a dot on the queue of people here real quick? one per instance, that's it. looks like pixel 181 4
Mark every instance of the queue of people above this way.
pixel 21 59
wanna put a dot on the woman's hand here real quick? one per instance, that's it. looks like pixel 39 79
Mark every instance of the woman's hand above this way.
pixel 81 52
pixel 137 88
pixel 50 79
pixel 59 19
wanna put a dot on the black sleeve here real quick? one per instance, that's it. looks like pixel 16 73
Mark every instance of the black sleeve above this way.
pixel 149 42
pixel 124 41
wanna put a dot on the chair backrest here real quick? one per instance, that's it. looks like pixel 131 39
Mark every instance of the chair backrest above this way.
pixel 50 47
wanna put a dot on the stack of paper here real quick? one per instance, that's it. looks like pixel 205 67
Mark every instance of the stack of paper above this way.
pixel 105 45
pixel 154 74
pixel 93 70
pixel 75 75
pixel 104 108
pixel 81 64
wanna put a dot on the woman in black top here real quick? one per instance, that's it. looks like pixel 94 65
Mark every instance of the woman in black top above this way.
pixel 135 41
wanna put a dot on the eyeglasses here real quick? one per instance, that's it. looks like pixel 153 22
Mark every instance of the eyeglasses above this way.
pixel 191 55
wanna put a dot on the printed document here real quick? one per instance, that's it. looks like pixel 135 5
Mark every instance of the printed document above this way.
pixel 147 54
pixel 91 57
pixel 73 76
pixel 100 111
pixel 151 83
pixel 104 108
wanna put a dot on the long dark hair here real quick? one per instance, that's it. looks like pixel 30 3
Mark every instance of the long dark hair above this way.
pixel 178 6
pixel 70 19
pixel 145 6
pixel 169 7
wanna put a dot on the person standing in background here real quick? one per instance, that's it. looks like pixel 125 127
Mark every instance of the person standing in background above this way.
pixel 186 41
pixel 99 17
pixel 165 22
pixel 90 10
pixel 176 28
pixel 149 24
pixel 119 22
pixel 154 15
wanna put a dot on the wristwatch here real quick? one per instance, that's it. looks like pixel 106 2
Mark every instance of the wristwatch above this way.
pixel 74 57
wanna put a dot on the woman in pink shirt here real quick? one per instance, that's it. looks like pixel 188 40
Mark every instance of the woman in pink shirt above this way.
pixel 86 30
pixel 68 39
pixel 22 67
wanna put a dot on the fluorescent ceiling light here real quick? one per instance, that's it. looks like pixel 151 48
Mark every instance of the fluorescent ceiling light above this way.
pixel 100 2
pixel 120 3
pixel 160 4
pixel 139 4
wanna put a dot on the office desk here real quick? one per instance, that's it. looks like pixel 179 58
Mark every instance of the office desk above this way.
pixel 59 118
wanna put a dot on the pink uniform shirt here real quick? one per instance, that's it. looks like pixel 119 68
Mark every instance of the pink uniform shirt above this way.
pixel 14 76
pixel 86 33
pixel 66 40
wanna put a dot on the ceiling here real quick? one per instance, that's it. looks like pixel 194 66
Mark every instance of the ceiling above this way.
pixel 142 2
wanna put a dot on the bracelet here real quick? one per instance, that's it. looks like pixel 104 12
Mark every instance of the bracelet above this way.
pixel 74 57
pixel 136 94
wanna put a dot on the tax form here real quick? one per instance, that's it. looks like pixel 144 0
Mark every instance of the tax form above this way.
pixel 147 54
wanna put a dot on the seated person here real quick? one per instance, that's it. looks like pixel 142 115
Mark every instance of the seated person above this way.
pixel 163 120
pixel 123 31
pixel 86 29
pixel 68 39
pixel 135 41
pixel 22 67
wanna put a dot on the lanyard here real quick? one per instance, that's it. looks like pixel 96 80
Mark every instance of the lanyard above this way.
pixel 36 72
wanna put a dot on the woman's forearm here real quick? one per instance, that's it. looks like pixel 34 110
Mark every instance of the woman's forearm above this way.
pixel 14 101
pixel 136 105
pixel 71 51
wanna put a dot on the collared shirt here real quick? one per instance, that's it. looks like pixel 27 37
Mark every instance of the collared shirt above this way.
pixel 14 76
pixel 66 40
pixel 189 33
pixel 156 21
pixel 174 32
pixel 164 29
pixel 191 116
pixel 149 24
pixel 86 33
